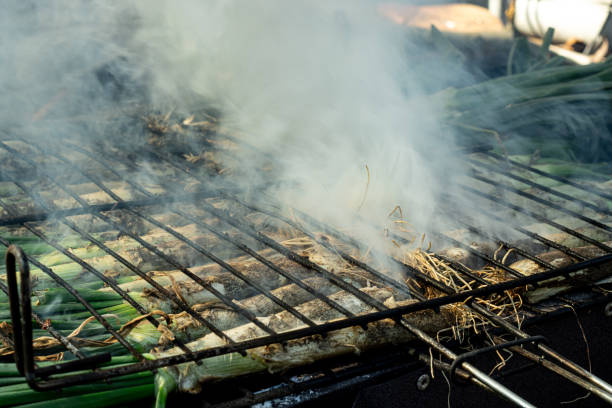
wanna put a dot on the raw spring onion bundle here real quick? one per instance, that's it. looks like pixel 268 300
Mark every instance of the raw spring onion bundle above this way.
pixel 558 114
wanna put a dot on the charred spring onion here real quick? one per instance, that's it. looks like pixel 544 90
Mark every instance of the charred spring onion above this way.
pixel 509 112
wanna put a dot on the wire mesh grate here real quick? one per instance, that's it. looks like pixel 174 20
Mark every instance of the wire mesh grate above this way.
pixel 118 221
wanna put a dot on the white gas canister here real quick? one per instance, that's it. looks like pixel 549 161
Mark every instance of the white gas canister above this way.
pixel 582 20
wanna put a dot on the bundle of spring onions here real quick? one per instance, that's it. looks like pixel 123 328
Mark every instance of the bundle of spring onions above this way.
pixel 70 317
pixel 64 313
pixel 559 113
pixel 123 391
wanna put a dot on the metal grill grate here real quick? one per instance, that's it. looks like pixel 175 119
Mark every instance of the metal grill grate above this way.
pixel 131 194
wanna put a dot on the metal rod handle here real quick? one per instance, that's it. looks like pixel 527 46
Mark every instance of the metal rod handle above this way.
pixel 20 309
pixel 21 312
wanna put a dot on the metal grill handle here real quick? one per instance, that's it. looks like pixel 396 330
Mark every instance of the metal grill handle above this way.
pixel 21 312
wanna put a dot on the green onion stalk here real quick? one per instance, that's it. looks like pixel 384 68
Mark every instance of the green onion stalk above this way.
pixel 15 392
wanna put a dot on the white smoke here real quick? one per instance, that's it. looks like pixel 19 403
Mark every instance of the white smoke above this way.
pixel 327 88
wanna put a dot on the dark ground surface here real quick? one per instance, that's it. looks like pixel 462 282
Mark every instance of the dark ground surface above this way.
pixel 538 385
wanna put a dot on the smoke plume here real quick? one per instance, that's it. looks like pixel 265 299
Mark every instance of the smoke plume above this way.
pixel 331 92
pixel 327 89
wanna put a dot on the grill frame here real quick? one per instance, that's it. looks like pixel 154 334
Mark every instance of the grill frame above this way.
pixel 241 347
